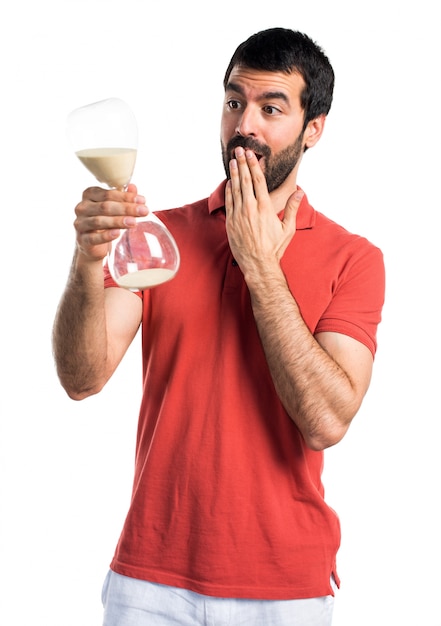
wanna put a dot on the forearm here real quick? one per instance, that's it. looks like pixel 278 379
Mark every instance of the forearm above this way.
pixel 79 332
pixel 315 391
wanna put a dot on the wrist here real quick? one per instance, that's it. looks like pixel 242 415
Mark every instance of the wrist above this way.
pixel 264 276
pixel 86 268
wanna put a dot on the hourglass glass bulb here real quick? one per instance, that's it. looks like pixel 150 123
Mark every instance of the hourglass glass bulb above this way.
pixel 144 256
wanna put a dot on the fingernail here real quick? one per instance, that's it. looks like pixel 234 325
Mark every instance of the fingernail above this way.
pixel 140 200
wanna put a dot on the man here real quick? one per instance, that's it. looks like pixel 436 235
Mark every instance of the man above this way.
pixel 256 357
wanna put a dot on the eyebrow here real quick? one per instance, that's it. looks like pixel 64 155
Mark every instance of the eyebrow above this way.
pixel 267 95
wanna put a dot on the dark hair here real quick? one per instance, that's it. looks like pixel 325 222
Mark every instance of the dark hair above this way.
pixel 285 50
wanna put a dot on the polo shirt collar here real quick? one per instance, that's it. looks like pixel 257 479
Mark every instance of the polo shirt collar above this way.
pixel 305 217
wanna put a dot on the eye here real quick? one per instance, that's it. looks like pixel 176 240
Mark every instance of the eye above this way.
pixel 233 104
pixel 270 109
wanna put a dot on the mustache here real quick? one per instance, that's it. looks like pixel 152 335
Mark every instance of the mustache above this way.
pixel 247 143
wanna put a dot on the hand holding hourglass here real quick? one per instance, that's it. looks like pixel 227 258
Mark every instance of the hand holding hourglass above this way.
pixel 104 136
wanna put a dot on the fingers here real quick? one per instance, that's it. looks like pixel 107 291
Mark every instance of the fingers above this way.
pixel 251 172
pixel 109 209
pixel 291 208
pixel 102 213
pixel 114 201
pixel 248 182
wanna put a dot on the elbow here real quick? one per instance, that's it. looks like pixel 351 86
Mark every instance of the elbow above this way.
pixel 77 392
pixel 326 426
pixel 322 441
pixel 326 432
pixel 78 395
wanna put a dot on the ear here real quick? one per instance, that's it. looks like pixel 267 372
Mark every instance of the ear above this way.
pixel 314 131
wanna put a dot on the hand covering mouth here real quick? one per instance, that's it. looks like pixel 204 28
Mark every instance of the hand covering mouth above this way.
pixel 258 155
pixel 260 150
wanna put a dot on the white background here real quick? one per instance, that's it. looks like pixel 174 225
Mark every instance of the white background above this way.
pixel 66 467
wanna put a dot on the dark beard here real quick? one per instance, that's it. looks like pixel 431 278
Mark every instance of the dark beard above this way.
pixel 277 168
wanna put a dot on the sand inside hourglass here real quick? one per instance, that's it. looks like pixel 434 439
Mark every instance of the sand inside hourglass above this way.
pixel 143 279
pixel 112 166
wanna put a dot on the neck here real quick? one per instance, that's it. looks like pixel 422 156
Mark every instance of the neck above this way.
pixel 279 197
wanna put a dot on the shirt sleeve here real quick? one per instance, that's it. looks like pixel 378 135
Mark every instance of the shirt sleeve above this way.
pixel 356 307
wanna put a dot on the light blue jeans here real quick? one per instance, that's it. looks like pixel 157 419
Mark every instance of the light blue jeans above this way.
pixel 132 602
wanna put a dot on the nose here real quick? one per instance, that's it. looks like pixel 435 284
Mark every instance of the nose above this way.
pixel 247 124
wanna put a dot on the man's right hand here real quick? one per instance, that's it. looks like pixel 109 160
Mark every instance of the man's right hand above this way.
pixel 101 214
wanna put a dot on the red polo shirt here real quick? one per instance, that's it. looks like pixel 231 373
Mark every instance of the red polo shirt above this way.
pixel 227 498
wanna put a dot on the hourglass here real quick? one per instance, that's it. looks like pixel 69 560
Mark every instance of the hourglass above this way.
pixel 104 136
